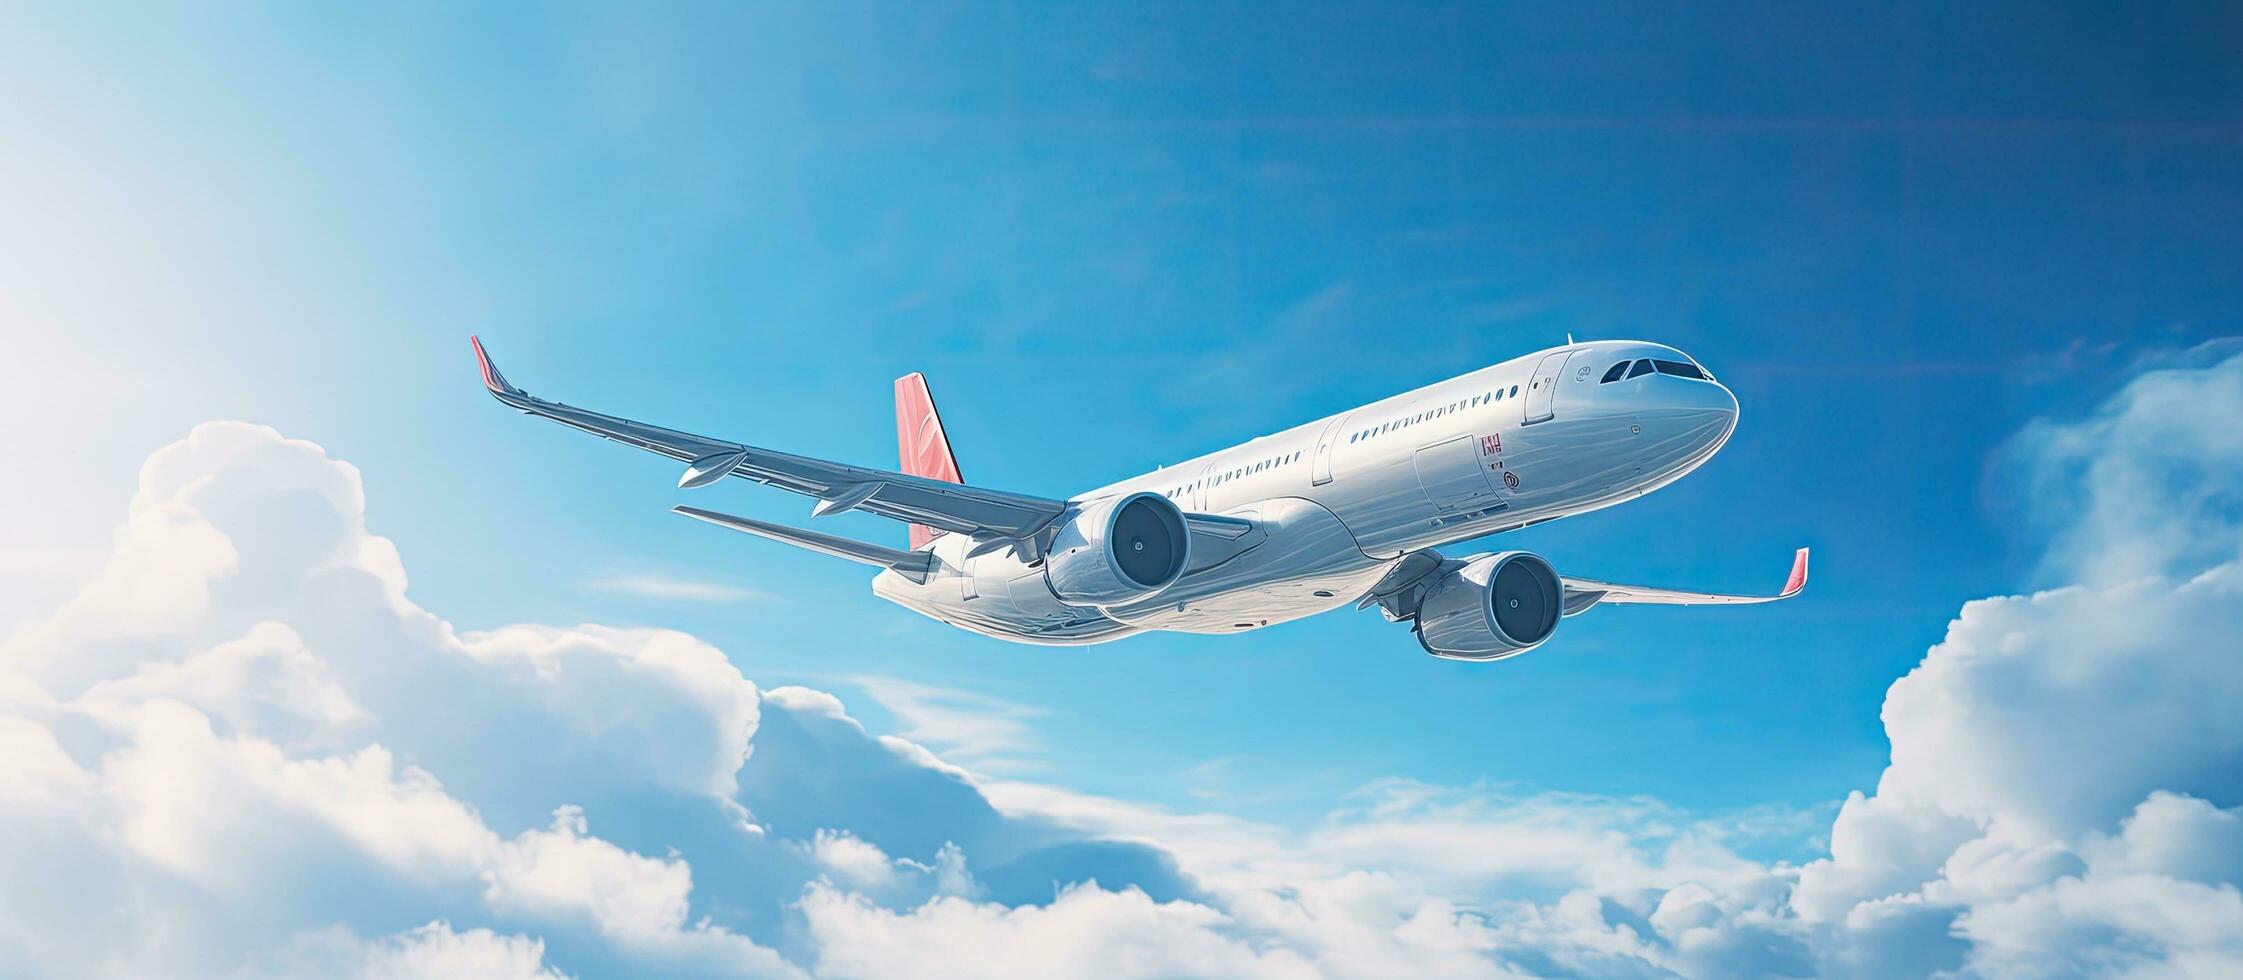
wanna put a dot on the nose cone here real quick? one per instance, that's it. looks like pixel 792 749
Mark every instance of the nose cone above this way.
pixel 1706 407
pixel 1686 419
pixel 1721 402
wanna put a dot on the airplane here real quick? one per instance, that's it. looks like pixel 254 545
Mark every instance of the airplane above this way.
pixel 1350 509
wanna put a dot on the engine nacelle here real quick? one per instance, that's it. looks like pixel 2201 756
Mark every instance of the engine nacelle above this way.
pixel 1493 607
pixel 1118 550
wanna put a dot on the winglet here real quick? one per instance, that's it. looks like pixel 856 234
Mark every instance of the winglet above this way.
pixel 1798 579
pixel 493 380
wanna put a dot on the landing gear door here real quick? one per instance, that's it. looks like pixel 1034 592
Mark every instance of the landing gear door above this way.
pixel 1542 389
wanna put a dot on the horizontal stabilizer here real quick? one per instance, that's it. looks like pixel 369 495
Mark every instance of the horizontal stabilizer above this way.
pixel 915 565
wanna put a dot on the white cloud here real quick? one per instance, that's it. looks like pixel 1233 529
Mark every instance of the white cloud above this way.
pixel 262 683
pixel 430 952
pixel 852 861
pixel 562 870
pixel 689 724
pixel 231 736
pixel 2146 484
pixel 2042 725
pixel 673 589
pixel 1084 932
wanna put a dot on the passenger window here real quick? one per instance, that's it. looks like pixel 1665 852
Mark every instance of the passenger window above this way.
pixel 1614 374
pixel 1514 391
pixel 1642 368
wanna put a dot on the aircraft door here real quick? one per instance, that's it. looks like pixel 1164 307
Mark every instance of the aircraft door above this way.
pixel 1542 389
pixel 1199 488
pixel 1320 466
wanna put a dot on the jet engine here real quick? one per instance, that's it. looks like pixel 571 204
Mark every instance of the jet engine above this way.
pixel 1117 550
pixel 1492 607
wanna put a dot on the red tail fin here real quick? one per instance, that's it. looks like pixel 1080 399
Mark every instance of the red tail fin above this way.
pixel 924 448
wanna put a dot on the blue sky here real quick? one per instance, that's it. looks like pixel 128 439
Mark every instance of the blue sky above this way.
pixel 1115 236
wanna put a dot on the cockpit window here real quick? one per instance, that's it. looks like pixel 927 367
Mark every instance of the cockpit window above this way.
pixel 1680 369
pixel 1614 374
pixel 1642 368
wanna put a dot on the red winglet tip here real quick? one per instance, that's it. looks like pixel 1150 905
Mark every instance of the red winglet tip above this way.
pixel 1798 579
pixel 491 378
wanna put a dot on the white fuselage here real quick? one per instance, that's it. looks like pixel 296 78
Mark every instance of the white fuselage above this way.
pixel 1336 502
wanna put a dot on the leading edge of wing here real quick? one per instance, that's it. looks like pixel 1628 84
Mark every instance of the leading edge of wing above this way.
pixel 1581 593
pixel 837 486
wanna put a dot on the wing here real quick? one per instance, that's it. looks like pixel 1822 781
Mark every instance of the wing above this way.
pixel 1581 593
pixel 838 486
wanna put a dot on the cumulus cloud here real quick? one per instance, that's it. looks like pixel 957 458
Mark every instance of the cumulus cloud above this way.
pixel 231 737
pixel 241 748
pixel 1083 932
pixel 2056 751
pixel 242 742
pixel 430 952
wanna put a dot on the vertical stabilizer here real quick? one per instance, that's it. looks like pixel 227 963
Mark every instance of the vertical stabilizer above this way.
pixel 921 444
